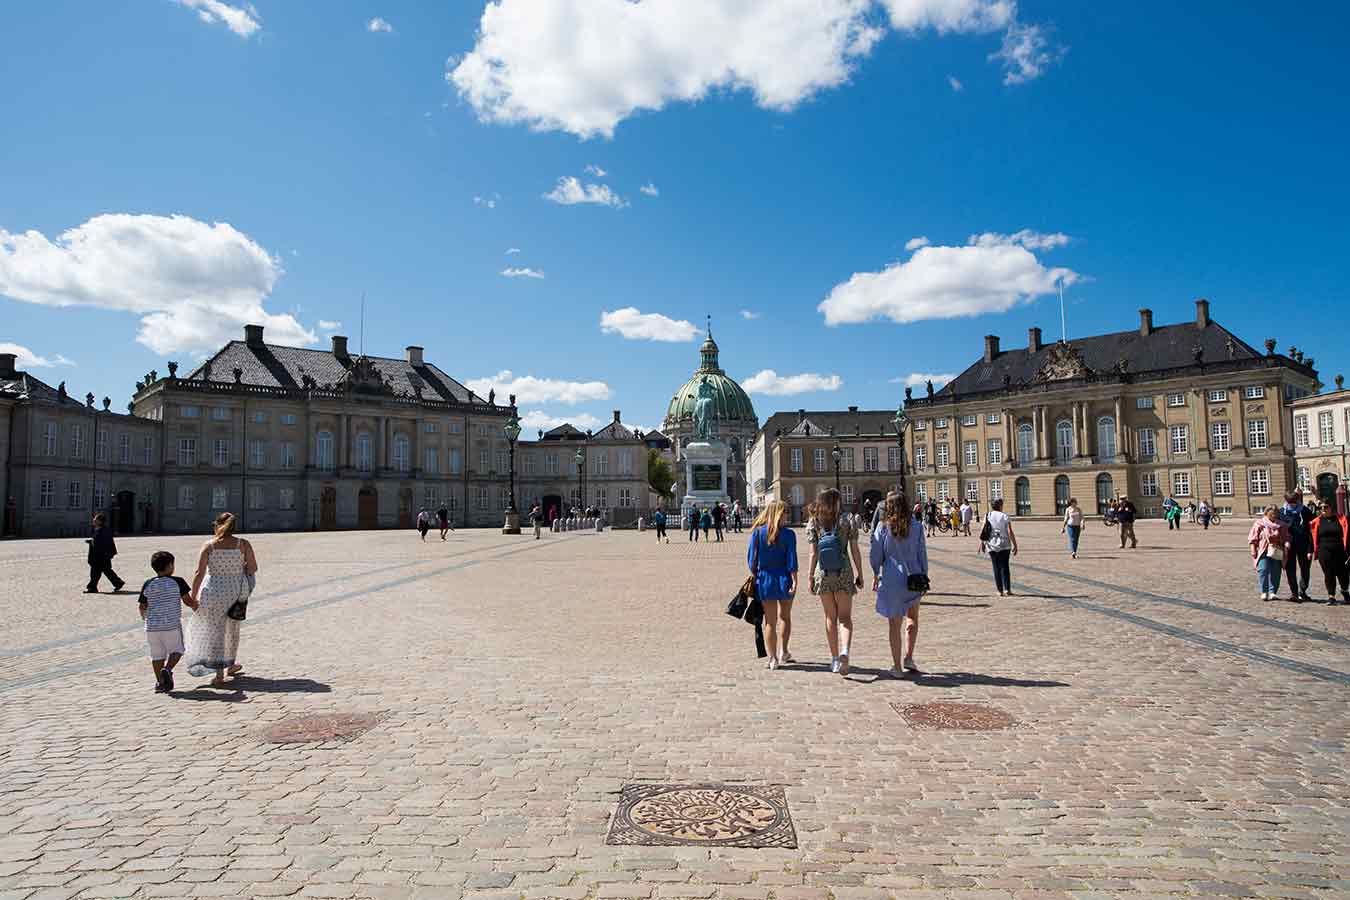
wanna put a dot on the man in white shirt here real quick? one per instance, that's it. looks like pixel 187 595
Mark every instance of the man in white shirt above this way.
pixel 966 514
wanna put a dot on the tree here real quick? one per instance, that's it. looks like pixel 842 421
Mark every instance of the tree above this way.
pixel 660 477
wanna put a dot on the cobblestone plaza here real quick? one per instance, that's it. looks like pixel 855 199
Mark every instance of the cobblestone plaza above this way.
pixel 1140 724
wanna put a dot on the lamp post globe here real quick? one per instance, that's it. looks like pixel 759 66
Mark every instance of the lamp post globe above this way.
pixel 512 431
pixel 581 479
pixel 837 454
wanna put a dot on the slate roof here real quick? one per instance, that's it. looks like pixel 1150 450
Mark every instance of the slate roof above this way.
pixel 273 365
pixel 25 387
pixel 846 423
pixel 1166 347
pixel 564 432
pixel 615 431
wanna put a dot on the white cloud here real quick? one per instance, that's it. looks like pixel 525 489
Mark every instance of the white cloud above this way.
pixel 329 325
pixel 768 381
pixel 570 191
pixel 378 25
pixel 1026 53
pixel 650 190
pixel 918 379
pixel 639 326
pixel 512 250
pixel 510 272
pixel 955 83
pixel 529 389
pixel 916 243
pixel 27 359
pixel 242 20
pixel 584 66
pixel 194 285
pixel 490 202
pixel 539 420
pixel 595 170
pixel 749 315
pixel 992 273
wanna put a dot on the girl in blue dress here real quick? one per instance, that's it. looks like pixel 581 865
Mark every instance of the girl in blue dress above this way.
pixel 898 551
pixel 772 558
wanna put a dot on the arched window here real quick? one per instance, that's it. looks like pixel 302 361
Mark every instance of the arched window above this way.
pixel 401 458
pixel 1061 494
pixel 323 450
pixel 1106 439
pixel 1023 494
pixel 363 455
pixel 1063 441
pixel 1106 489
pixel 1026 443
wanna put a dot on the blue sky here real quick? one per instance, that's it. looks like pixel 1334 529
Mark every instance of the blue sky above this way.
pixel 1145 154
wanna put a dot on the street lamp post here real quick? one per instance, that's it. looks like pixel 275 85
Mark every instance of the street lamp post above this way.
pixel 901 421
pixel 512 429
pixel 837 454
pixel 581 479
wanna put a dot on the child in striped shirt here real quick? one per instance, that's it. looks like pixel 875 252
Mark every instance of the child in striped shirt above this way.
pixel 159 605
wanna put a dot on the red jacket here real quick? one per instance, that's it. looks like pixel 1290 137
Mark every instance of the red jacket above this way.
pixel 1345 533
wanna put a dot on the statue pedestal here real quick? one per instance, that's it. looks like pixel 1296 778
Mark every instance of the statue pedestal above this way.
pixel 705 474
pixel 512 524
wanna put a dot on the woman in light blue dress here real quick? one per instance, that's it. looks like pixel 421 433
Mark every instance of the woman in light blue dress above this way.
pixel 898 551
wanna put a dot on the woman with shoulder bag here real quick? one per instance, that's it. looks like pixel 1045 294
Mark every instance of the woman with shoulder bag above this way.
pixel 772 559
pixel 834 577
pixel 228 566
pixel 998 538
pixel 1073 524
pixel 1269 542
pixel 899 558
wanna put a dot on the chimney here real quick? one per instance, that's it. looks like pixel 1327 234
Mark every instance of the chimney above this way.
pixel 253 335
pixel 7 369
pixel 1145 322
pixel 414 355
pixel 990 347
pixel 1202 314
pixel 853 409
pixel 616 417
pixel 340 347
pixel 801 415
pixel 1033 340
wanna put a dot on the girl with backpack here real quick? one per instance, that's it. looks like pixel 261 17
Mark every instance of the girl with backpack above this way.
pixel 835 578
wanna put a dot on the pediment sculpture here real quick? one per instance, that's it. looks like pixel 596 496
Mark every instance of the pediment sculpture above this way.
pixel 1065 361
pixel 364 377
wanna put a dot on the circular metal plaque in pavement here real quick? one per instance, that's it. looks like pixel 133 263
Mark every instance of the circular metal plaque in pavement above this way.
pixel 321 727
pixel 956 716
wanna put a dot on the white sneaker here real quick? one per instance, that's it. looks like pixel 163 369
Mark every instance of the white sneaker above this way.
pixel 1265 596
pixel 843 664
pixel 834 664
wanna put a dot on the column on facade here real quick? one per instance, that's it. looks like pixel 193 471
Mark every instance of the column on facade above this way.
pixel 1238 438
pixel 344 441
pixel 1201 418
pixel 1120 429
pixel 415 446
pixel 1038 418
pixel 1009 445
pixel 1080 446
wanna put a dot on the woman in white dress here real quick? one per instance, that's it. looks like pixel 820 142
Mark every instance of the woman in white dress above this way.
pixel 227 564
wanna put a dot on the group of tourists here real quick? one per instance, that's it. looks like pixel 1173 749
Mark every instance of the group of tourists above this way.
pixel 440 519
pixel 947 515
pixel 716 519
pixel 897 556
pixel 1284 540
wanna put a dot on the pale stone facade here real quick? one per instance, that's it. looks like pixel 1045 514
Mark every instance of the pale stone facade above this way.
pixel 1321 434
pixel 614 460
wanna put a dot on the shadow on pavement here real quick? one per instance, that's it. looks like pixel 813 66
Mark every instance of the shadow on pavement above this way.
pixel 962 679
pixel 242 685
pixel 963 605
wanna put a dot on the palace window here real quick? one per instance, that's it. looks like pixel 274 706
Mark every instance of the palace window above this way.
pixel 1326 429
pixel 480 498
pixel 798 495
pixel 550 463
pixel 429 428
pixel 1223 482
pixel 1181 484
pixel 1026 443
pixel 49 439
pixel 456 428
pixel 364 452
pixel 1149 484
pixel 1143 402
pixel 1259 481
pixel 818 459
pixel 257 452
pixel 921 455
pixel 255 496
pixel 968 421
pixel 47 494
pixel 402 454
pixel 220 454
pixel 1219 437
pixel 220 497
pixel 1257 438
pixel 921 425
pixel 288 418
pixel 323 450
pixel 187 451
pixel 921 492
pixel 795 459
pixel 75 495
pixel 871 459
pixel 187 497
pixel 429 498
pixel 287 454
pixel 220 413
pixel 625 462
pixel 100 494
pixel 943 454
pixel 1106 439
pixel 940 423
pixel 260 417
pixel 1175 400
pixel 1254 392
pixel 847 459
pixel 1302 437
pixel 484 461
pixel 995 490
pixel 1148 446
pixel 148 450
pixel 188 412
pixel 101 445
pixel 625 498
pixel 972 491
pixel 600 466
pixel 893 459
pixel 457 462
pixel 1063 441
pixel 432 462
pixel 992 419
pixel 943 492
pixel 77 441
pixel 994 450
pixel 124 449
pixel 1303 478
pixel 1181 439
pixel 972 454
pixel 286 498
pixel 1218 396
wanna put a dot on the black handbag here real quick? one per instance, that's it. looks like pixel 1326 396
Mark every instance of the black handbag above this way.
pixel 918 582
pixel 238 610
pixel 736 608
pixel 754 613
pixel 986 532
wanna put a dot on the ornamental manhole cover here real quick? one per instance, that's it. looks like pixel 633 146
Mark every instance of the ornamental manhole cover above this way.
pixel 322 727
pixel 955 716
pixel 722 815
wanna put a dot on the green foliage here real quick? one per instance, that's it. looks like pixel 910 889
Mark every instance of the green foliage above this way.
pixel 660 477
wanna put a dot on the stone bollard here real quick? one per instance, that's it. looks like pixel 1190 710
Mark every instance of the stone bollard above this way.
pixel 599 525
pixel 642 524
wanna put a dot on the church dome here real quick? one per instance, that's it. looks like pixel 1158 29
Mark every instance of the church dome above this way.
pixel 730 402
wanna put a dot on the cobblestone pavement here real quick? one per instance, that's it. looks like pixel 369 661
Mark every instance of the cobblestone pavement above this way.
pixel 1175 736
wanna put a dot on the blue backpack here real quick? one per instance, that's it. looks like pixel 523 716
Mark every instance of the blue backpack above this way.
pixel 830 550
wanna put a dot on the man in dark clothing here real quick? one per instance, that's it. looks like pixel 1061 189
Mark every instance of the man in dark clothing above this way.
pixel 693 524
pixel 719 519
pixel 1297 519
pixel 102 549
pixel 443 520
pixel 1125 513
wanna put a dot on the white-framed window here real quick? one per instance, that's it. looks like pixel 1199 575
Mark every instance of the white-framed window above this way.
pixel 921 455
pixel 1063 440
pixel 871 459
pixel 972 491
pixel 972 453
pixel 124 449
pixel 892 459
pixel 1174 400
pixel 940 422
pixel 1218 395
pixel 364 452
pixel 148 450
pixel 1148 444
pixel 1302 436
pixel 846 459
pixel 503 498
pixel 402 456
pixel 287 454
pixel 818 459
pixel 1303 478
pixel 323 450
pixel 601 462
pixel 101 445
pixel 187 451
pixel 452 503
pixel 921 425
pixel 969 421
pixel 1326 428
pixel 994 450
pixel 921 492
pixel 995 489
pixel 187 497
pixel 455 428
pixel 602 498
pixel 457 461
pixel 943 490
pixel 49 439
pixel 1026 443
pixel 1148 484
pixel 625 498
pixel 257 452
pixel 550 464
pixel 432 462
pixel 1180 436
pixel 625 461
pixel 1143 402
pixel 1220 438
pixel 992 419
pixel 47 494
pixel 1223 482
pixel 943 454
pixel 848 494
pixel 260 417
pixel 428 427
pixel 1258 481
pixel 480 498
pixel 1181 484
pixel 220 413
pixel 255 496
pixel 1106 439
pixel 188 412
pixel 77 441
pixel 531 461
pixel 220 452
pixel 220 497
pixel 1254 392
pixel 795 459
pixel 430 499
pixel 286 498
pixel 288 418
pixel 1257 437
pixel 100 494
pixel 75 495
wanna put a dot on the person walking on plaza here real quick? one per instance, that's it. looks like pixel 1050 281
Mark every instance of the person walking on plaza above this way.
pixel 1001 542
pixel 1073 524
pixel 737 516
pixel 836 571
pixel 227 565
pixel 1203 513
pixel 898 551
pixel 1331 546
pixel 705 522
pixel 967 513
pixel 443 520
pixel 1298 520
pixel 659 520
pixel 102 549
pixel 161 605
pixel 693 524
pixel 932 516
pixel 1269 542
pixel 537 520
pixel 772 558
pixel 719 520
pixel 1171 510
pixel 423 523
pixel 1125 513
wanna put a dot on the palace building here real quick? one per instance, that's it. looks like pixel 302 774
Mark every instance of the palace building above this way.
pixel 1322 441
pixel 1187 410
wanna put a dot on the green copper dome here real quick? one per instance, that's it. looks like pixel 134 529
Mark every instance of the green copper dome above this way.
pixel 730 402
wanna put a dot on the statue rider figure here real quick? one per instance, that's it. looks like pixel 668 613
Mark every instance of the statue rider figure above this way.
pixel 703 411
